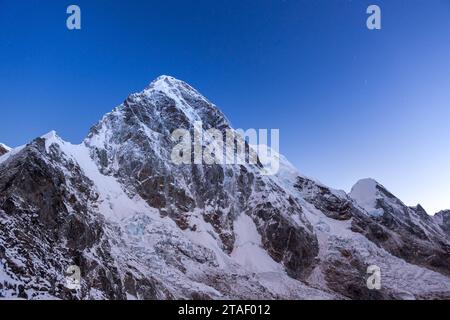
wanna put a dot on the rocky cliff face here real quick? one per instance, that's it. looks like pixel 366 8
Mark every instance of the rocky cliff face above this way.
pixel 141 227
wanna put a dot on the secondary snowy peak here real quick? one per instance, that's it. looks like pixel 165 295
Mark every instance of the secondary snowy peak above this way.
pixel 376 200
pixel 4 149
pixel 366 192
pixel 381 204
pixel 4 146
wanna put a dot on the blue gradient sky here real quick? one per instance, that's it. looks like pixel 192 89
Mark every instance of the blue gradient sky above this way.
pixel 350 103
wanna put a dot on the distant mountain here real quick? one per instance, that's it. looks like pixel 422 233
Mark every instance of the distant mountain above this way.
pixel 140 227
pixel 409 232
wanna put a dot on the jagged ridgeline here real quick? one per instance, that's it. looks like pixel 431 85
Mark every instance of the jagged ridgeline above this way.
pixel 139 226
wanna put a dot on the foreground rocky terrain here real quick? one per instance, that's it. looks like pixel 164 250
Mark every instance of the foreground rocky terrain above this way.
pixel 140 227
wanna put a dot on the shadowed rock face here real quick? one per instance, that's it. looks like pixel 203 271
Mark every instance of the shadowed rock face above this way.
pixel 139 226
pixel 331 204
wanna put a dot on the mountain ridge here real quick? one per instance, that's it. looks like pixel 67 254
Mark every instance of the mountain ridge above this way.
pixel 140 227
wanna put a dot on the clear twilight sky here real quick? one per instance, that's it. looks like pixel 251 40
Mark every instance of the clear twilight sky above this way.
pixel 350 103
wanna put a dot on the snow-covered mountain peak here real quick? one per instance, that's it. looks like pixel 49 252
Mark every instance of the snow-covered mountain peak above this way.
pixel 165 105
pixel 50 135
pixel 165 78
pixel 187 99
pixel 171 86
pixel 140 226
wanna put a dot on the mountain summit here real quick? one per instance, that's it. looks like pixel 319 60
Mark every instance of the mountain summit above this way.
pixel 140 227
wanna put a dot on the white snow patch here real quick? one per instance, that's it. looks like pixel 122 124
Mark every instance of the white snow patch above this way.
pixel 248 250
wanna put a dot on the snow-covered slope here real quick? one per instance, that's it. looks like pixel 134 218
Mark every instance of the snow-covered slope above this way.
pixel 141 227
